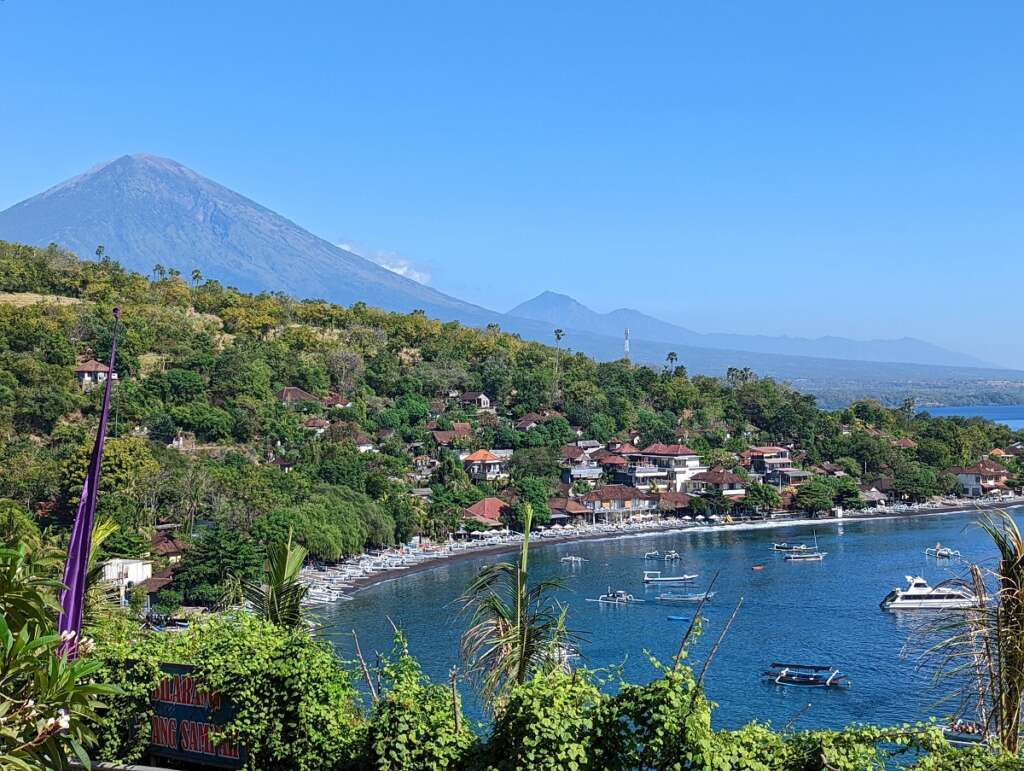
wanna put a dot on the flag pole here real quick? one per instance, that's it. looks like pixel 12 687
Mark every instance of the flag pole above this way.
pixel 72 598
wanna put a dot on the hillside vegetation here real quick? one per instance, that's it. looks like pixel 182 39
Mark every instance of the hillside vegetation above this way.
pixel 202 362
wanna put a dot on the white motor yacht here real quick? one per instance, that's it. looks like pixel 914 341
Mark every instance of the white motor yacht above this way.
pixel 920 596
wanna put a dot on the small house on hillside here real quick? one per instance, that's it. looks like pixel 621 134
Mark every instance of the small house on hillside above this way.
pixel 485 466
pixel 92 372
pixel 477 399
pixel 295 395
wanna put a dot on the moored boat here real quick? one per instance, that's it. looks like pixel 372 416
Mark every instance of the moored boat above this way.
pixel 655 577
pixel 618 597
pixel 941 552
pixel 920 596
pixel 806 675
pixel 789 547
pixel 669 597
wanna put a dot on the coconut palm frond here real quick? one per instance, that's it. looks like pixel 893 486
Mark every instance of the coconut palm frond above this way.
pixel 279 597
pixel 515 630
pixel 980 650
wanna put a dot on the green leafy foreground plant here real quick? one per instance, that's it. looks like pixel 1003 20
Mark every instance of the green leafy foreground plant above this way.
pixel 48 704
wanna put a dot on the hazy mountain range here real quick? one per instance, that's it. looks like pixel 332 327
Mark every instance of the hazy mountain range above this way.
pixel 563 310
pixel 146 210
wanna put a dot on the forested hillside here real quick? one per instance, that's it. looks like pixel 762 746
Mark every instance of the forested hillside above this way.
pixel 202 439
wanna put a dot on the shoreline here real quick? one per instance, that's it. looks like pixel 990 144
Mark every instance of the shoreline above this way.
pixel 359 584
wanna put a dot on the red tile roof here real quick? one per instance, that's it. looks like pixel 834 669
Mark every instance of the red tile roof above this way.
pixel 615 493
pixel 295 394
pixel 667 449
pixel 568 505
pixel 673 500
pixel 481 456
pixel 487 512
pixel 92 366
pixel 718 476
pixel 613 460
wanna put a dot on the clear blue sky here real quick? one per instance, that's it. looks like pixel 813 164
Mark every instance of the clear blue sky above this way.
pixel 788 167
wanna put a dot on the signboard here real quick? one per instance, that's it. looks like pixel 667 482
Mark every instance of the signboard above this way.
pixel 185 720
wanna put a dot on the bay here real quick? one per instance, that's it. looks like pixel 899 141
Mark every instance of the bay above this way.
pixel 825 613
pixel 1011 415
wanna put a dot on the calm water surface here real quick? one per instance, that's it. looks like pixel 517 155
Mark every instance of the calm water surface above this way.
pixel 1011 415
pixel 823 612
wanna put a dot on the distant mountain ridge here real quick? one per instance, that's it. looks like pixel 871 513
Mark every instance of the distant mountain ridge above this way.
pixel 562 310
pixel 147 210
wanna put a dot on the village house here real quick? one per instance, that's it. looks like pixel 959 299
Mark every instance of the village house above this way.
pixel 294 395
pixel 477 399
pixel 284 464
pixel 316 425
pixel 566 510
pixel 984 478
pixel 766 459
pixel 152 586
pixel 578 465
pixel 787 477
pixel 720 480
pixel 167 547
pixel 424 466
pixel 486 466
pixel 904 444
pixel 334 399
pixel 126 574
pixel 662 466
pixel 488 512
pixel 673 504
pixel 529 421
pixel 872 496
pixel 92 372
pixel 615 502
pixel 364 443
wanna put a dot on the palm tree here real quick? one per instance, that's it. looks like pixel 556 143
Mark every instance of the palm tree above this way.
pixel 515 630
pixel 279 597
pixel 197 276
pixel 671 360
pixel 559 334
pixel 982 650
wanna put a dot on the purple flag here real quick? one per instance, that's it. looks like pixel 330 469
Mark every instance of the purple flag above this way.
pixel 72 598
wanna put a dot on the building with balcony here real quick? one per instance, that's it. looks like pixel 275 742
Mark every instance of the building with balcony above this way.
pixel 661 467
pixel 485 466
pixel 611 503
pixel 719 480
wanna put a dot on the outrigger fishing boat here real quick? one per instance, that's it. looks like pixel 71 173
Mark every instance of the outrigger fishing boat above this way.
pixel 805 554
pixel 788 547
pixel 670 556
pixel 941 552
pixel 807 675
pixel 574 559
pixel 670 597
pixel 655 577
pixel 618 597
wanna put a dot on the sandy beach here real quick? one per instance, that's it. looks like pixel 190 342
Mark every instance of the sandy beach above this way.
pixel 672 526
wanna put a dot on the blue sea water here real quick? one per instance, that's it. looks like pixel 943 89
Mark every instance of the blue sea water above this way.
pixel 810 612
pixel 1011 415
